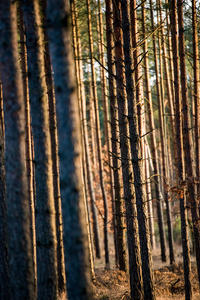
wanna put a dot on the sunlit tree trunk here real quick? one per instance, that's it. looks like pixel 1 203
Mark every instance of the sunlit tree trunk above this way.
pixel 196 92
pixel 82 101
pixel 180 158
pixel 54 153
pixel 127 170
pixel 187 138
pixel 153 145
pixel 77 265
pixel 29 158
pixel 45 206
pixel 161 108
pixel 98 136
pixel 118 185
pixel 4 273
pixel 137 162
pixel 21 279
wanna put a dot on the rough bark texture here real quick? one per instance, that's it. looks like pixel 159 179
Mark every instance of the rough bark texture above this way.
pixel 147 271
pixel 4 273
pixel 180 158
pixel 98 137
pixel 74 215
pixel 165 170
pixel 127 170
pixel 118 185
pixel 82 101
pixel 107 118
pixel 196 92
pixel 28 151
pixel 54 153
pixel 187 139
pixel 45 207
pixel 21 281
pixel 154 146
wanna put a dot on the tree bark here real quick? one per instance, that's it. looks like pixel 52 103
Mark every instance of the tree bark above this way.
pixel 4 271
pixel 180 158
pixel 29 155
pixel 82 101
pixel 187 139
pixel 154 146
pixel 21 281
pixel 45 206
pixel 118 184
pixel 98 137
pixel 127 170
pixel 74 215
pixel 137 162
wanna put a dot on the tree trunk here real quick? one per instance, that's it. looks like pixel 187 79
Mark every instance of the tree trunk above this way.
pixel 180 158
pixel 98 136
pixel 154 146
pixel 29 156
pixel 137 162
pixel 187 139
pixel 118 185
pixel 107 120
pixel 127 170
pixel 196 93
pixel 161 108
pixel 78 272
pixel 82 101
pixel 54 153
pixel 45 206
pixel 21 281
pixel 4 272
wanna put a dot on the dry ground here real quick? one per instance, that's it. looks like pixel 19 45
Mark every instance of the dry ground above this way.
pixel 169 280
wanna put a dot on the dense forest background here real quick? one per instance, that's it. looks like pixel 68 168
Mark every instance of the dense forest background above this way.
pixel 99 149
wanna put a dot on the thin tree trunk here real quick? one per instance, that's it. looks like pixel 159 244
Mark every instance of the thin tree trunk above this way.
pixel 187 139
pixel 154 146
pixel 98 136
pixel 4 272
pixel 137 162
pixel 45 206
pixel 149 197
pixel 196 92
pixel 78 271
pixel 21 281
pixel 160 96
pixel 127 170
pixel 107 120
pixel 180 158
pixel 82 101
pixel 118 185
pixel 29 158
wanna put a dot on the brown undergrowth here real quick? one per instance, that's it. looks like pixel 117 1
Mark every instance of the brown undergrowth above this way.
pixel 169 283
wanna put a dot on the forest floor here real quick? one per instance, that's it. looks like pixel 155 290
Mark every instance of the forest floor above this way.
pixel 169 279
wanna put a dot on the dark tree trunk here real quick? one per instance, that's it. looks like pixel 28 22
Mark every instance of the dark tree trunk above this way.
pixel 28 151
pixel 54 153
pixel 21 281
pixel 180 158
pixel 4 272
pixel 154 146
pixel 82 101
pixel 121 243
pixel 137 162
pixel 196 93
pixel 74 215
pixel 45 207
pixel 187 139
pixel 98 137
pixel 127 170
